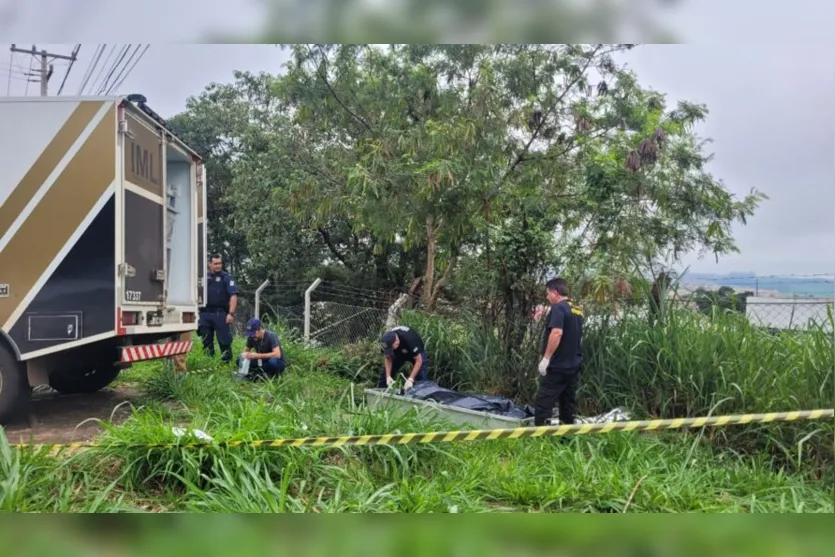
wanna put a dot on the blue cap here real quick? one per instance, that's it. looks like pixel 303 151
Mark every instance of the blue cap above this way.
pixel 252 327
pixel 387 343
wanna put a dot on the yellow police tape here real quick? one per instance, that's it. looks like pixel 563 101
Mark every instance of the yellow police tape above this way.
pixel 478 434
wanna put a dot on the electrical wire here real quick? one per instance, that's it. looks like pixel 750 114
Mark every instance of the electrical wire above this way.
pixel 122 53
pixel 11 67
pixel 94 61
pixel 69 68
pixel 102 69
pixel 121 73
pixel 29 76
pixel 119 84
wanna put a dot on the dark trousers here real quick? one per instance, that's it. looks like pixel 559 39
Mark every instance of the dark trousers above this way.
pixel 213 323
pixel 557 387
pixel 397 363
pixel 269 368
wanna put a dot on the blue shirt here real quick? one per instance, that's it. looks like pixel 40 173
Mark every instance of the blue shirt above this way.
pixel 266 344
pixel 219 290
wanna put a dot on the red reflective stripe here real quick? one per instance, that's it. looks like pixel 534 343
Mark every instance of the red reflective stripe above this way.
pixel 153 351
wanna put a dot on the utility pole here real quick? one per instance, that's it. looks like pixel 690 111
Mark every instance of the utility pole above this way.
pixel 46 67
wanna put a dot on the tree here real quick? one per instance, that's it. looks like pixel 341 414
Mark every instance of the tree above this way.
pixel 403 163
pixel 723 299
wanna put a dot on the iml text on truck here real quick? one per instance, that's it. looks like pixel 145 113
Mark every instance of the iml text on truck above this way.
pixel 102 242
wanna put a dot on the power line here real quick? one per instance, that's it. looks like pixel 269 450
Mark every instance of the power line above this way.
pixel 94 61
pixel 11 67
pixel 15 67
pixel 67 73
pixel 123 52
pixel 28 75
pixel 122 71
pixel 119 84
pixel 46 68
pixel 101 70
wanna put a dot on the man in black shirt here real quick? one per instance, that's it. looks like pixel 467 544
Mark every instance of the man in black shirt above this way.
pixel 562 357
pixel 400 345
pixel 263 350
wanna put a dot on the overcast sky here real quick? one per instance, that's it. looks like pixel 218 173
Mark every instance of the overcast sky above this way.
pixel 765 74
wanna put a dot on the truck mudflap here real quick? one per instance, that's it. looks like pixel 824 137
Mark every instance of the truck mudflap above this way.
pixel 154 351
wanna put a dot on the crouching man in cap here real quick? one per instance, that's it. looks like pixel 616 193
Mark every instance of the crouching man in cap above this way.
pixel 263 350
pixel 400 345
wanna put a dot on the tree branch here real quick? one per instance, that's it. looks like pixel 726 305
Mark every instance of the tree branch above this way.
pixel 326 237
pixel 535 133
pixel 445 277
pixel 324 79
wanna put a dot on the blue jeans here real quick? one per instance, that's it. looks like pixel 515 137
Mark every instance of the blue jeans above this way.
pixel 269 368
pixel 213 323
pixel 396 363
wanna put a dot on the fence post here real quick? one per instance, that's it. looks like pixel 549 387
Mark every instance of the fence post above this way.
pixel 307 293
pixel 258 298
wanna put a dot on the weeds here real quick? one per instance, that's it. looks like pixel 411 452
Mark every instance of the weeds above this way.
pixel 727 470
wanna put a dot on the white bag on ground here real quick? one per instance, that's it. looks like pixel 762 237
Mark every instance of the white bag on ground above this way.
pixel 243 371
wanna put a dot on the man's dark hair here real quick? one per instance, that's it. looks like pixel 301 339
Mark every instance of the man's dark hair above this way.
pixel 558 285
pixel 215 256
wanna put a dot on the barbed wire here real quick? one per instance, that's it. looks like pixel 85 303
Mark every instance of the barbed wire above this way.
pixel 342 314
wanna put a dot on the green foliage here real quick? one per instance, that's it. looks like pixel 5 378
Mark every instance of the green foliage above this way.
pixel 618 472
pixel 684 365
pixel 723 299
pixel 692 365
pixel 440 163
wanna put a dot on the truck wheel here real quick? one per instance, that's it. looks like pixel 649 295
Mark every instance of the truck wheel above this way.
pixel 14 386
pixel 75 382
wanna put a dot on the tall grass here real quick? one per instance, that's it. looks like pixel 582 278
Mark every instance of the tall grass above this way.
pixel 624 472
pixel 687 364
pixel 693 365
pixel 617 472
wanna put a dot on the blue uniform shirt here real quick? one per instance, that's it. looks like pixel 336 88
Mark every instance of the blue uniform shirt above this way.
pixel 220 288
pixel 267 344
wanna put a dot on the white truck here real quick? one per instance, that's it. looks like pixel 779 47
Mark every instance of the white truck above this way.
pixel 102 242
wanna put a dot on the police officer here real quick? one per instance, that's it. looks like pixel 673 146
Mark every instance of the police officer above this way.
pixel 562 357
pixel 400 345
pixel 219 312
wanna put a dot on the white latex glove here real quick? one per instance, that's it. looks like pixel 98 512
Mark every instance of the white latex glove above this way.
pixel 389 382
pixel 408 384
pixel 543 366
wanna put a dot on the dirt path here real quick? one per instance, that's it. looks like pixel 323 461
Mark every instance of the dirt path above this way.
pixel 55 418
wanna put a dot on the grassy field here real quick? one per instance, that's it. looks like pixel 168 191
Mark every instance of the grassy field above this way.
pixel 666 472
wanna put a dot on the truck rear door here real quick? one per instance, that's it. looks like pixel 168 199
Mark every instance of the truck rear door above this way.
pixel 202 256
pixel 144 208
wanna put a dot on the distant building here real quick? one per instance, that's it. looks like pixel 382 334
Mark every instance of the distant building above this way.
pixel 789 313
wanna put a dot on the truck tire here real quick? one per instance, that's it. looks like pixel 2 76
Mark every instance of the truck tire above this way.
pixel 14 386
pixel 75 382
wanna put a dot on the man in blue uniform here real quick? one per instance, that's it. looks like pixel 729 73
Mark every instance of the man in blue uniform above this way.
pixel 400 345
pixel 217 316
pixel 562 356
pixel 263 350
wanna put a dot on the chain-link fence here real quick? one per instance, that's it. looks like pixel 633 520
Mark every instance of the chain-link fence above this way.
pixel 338 314
pixel 785 314
pixel 342 315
